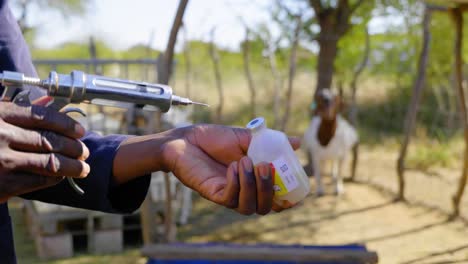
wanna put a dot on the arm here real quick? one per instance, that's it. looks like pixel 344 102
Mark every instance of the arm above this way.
pixel 209 159
pixel 102 192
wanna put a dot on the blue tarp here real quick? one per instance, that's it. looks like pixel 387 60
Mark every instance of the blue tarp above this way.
pixel 357 247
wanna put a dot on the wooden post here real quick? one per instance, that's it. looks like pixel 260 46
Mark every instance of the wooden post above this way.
pixel 248 73
pixel 354 110
pixel 165 71
pixel 97 70
pixel 219 84
pixel 292 71
pixel 271 47
pixel 414 104
pixel 188 62
pixel 457 16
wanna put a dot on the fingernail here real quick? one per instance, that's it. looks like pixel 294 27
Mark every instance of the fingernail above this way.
pixel 235 169
pixel 85 153
pixel 79 129
pixel 265 172
pixel 86 170
pixel 247 165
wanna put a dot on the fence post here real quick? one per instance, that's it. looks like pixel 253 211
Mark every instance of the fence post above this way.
pixel 412 112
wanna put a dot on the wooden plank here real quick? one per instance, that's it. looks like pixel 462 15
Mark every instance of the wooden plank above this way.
pixel 95 61
pixel 168 252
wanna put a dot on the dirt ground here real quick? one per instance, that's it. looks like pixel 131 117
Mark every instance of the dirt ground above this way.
pixel 414 232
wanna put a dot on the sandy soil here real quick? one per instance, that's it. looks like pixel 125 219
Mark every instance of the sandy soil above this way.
pixel 414 232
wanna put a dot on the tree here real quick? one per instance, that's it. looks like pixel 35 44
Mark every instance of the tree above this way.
pixel 418 87
pixel 292 71
pixel 271 46
pixel 457 15
pixel 164 73
pixel 247 71
pixel 64 7
pixel 334 20
pixel 354 111
pixel 217 72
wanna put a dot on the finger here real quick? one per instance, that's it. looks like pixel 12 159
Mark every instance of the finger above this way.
pixel 295 142
pixel 39 117
pixel 281 205
pixel 265 192
pixel 277 208
pixel 14 184
pixel 231 192
pixel 43 101
pixel 48 164
pixel 248 189
pixel 47 141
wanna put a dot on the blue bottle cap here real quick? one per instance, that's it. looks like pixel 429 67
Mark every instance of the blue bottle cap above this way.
pixel 256 123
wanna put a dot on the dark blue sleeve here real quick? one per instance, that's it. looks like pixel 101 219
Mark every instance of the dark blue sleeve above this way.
pixel 100 191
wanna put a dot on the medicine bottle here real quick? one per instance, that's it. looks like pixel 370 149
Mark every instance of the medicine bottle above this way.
pixel 290 180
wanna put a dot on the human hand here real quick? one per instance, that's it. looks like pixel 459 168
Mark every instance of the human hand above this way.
pixel 211 159
pixel 38 146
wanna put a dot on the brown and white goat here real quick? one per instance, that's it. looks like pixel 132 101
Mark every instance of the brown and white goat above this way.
pixel 329 137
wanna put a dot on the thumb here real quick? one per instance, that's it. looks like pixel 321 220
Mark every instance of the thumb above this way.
pixel 244 137
pixel 43 101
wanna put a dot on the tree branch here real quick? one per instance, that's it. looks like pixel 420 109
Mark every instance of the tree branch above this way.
pixel 355 6
pixel 317 6
pixel 169 52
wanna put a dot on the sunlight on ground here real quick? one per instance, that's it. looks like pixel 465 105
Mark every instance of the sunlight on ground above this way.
pixel 399 232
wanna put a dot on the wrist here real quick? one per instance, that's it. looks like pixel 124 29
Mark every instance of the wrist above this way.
pixel 141 155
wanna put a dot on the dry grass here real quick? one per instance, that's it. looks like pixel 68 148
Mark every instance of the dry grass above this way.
pixel 399 232
pixel 415 232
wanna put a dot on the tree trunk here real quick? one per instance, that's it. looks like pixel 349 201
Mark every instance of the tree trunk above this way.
pixel 248 74
pixel 458 20
pixel 354 110
pixel 188 64
pixel 414 104
pixel 164 73
pixel 292 73
pixel 166 69
pixel 215 58
pixel 328 42
pixel 277 84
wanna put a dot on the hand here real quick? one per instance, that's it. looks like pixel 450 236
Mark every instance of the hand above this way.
pixel 38 146
pixel 211 160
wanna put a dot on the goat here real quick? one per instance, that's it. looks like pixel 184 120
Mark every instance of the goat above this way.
pixel 329 137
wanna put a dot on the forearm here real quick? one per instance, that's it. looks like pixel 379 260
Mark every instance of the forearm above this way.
pixel 141 155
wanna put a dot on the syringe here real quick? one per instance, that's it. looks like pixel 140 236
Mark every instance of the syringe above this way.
pixel 79 87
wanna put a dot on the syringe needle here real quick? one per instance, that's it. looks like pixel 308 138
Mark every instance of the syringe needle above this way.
pixel 198 103
pixel 177 100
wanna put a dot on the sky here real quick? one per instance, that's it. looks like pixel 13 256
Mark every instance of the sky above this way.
pixel 125 23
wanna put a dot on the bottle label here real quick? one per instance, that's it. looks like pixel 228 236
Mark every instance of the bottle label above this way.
pixel 284 179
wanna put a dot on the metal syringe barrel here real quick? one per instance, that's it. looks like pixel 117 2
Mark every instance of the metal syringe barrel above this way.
pixel 80 87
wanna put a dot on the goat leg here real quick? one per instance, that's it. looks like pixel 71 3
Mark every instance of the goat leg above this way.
pixel 338 180
pixel 318 179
